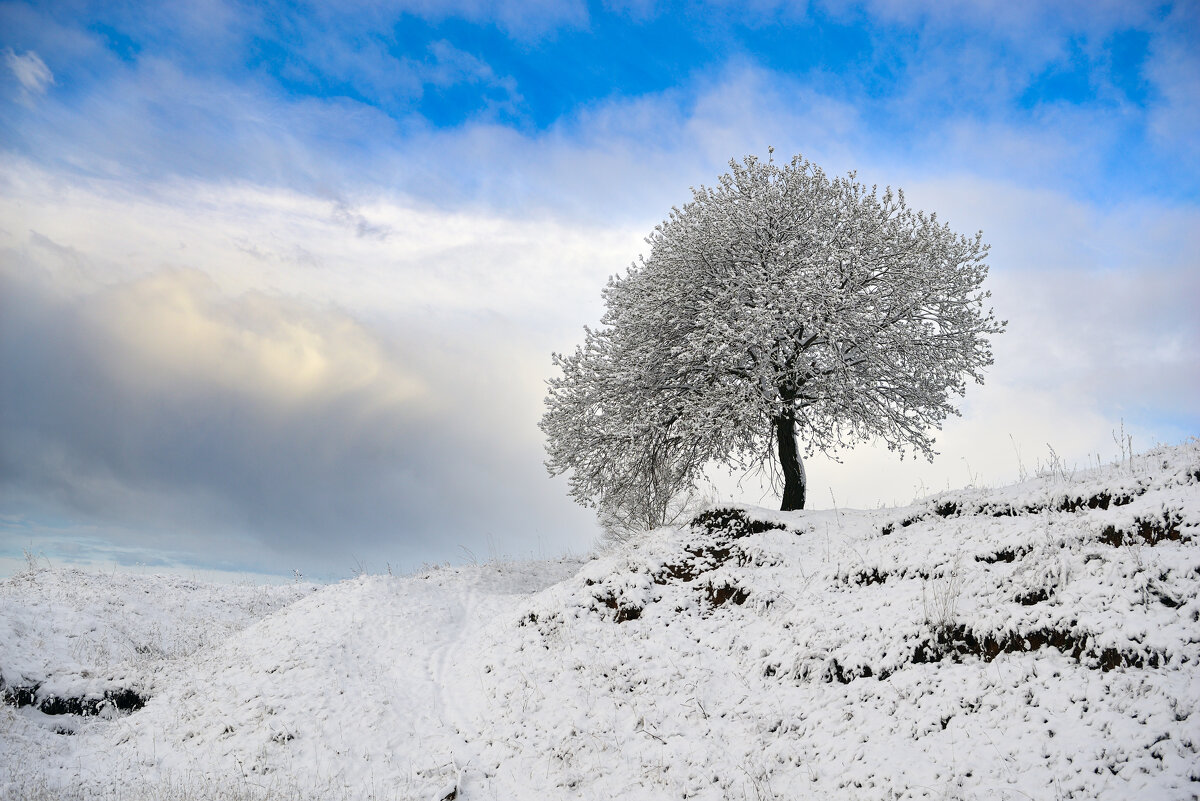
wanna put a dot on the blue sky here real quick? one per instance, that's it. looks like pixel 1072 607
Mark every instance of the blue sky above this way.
pixel 208 89
pixel 282 280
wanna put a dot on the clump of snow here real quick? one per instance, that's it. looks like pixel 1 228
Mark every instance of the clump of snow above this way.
pixel 1039 640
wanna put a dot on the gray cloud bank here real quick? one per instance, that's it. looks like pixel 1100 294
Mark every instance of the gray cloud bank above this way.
pixel 252 426
pixel 270 380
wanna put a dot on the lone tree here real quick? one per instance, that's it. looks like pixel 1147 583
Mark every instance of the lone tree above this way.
pixel 777 304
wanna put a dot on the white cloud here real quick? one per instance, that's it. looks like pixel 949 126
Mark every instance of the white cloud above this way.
pixel 378 256
pixel 173 328
pixel 459 289
pixel 31 73
pixel 452 66
pixel 1016 19
pixel 525 20
pixel 243 363
pixel 1174 67
pixel 435 329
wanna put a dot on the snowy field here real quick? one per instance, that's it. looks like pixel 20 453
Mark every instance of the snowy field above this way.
pixel 1033 641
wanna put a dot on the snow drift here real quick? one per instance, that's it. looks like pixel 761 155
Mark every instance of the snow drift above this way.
pixel 1039 640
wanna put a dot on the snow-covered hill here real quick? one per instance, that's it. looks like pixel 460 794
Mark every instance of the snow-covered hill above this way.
pixel 1034 641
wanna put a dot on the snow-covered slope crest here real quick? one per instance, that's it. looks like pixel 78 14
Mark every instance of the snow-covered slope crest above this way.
pixel 1034 641
pixel 1039 640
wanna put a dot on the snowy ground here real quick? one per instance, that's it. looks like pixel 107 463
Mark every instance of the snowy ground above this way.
pixel 1034 641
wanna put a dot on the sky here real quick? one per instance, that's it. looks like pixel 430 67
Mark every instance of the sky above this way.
pixel 280 283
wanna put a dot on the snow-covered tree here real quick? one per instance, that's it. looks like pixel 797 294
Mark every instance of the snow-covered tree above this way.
pixel 627 452
pixel 777 305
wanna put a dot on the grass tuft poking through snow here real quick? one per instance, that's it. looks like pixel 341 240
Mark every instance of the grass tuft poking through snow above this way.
pixel 1035 641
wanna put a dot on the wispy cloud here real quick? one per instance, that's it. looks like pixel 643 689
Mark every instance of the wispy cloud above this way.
pixel 527 20
pixel 32 74
pixel 451 66
pixel 1174 69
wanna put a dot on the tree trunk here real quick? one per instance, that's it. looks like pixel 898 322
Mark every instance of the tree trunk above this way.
pixel 795 483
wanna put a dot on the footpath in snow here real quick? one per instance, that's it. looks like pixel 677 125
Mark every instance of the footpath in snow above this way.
pixel 1034 641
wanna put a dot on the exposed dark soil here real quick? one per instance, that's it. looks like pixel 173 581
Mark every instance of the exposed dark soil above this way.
pixel 865 578
pixel 1165 598
pixel 733 523
pixel 946 509
pixel 723 527
pixel 954 642
pixel 716 545
pixel 844 675
pixel 125 700
pixel 942 510
pixel 624 611
pixel 1148 531
pixel 1101 500
pixel 1007 555
pixel 725 594
pixel 1040 595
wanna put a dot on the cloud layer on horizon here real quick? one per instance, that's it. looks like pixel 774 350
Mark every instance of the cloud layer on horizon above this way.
pixel 388 402
pixel 289 289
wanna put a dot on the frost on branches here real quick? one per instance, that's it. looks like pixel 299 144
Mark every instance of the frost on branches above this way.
pixel 778 307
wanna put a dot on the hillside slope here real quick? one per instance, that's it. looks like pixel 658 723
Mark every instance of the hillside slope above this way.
pixel 1033 641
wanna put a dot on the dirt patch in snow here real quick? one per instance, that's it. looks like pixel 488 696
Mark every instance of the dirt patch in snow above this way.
pixel 624 612
pixel 720 595
pixel 1148 531
pixel 122 700
pixel 1102 500
pixel 733 523
pixel 718 528
pixel 952 642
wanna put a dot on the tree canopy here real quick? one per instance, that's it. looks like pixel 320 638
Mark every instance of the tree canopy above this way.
pixel 777 307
